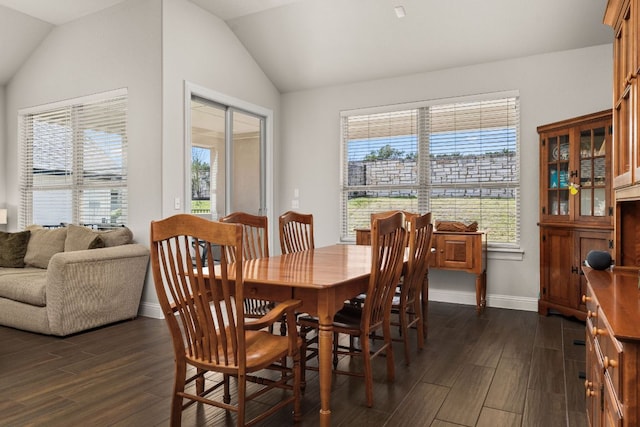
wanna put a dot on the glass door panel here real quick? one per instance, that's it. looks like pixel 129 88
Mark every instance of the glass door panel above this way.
pixel 246 183
pixel 227 160
pixel 558 169
pixel 593 172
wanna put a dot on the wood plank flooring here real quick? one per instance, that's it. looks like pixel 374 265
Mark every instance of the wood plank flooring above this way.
pixel 502 368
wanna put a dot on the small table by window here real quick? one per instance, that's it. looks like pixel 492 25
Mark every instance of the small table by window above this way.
pixel 464 251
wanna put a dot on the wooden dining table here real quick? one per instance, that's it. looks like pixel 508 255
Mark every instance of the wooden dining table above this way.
pixel 322 278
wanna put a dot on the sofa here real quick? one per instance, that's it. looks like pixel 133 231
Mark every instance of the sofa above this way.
pixel 65 280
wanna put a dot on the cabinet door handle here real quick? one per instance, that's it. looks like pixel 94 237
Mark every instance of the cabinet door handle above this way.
pixel 585 299
pixel 610 363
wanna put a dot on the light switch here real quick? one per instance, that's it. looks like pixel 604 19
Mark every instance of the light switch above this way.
pixel 176 203
pixel 295 204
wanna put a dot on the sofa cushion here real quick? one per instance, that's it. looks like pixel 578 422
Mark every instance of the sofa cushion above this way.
pixel 81 238
pixel 43 244
pixel 27 285
pixel 13 247
pixel 116 237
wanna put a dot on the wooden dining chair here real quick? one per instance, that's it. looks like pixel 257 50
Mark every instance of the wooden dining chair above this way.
pixel 255 244
pixel 204 311
pixel 387 258
pixel 296 232
pixel 407 303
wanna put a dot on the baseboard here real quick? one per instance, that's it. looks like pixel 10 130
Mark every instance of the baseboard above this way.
pixel 152 310
pixel 497 301
pixel 455 297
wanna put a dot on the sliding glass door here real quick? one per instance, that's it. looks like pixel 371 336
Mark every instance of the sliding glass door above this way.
pixel 227 159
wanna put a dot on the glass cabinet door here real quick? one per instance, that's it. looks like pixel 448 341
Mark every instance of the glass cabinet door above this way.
pixel 558 154
pixel 592 190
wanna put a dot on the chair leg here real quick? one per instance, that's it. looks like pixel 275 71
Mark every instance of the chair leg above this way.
pixel 402 314
pixel 226 397
pixel 391 373
pixel 303 358
pixel 242 394
pixel 417 308
pixel 368 374
pixel 178 387
pixel 298 363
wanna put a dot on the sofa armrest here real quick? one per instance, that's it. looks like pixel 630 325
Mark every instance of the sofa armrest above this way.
pixel 90 288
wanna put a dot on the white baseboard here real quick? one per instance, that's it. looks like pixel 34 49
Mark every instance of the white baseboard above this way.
pixel 152 310
pixel 498 301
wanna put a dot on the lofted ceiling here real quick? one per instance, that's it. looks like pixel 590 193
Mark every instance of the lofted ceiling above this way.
pixel 304 44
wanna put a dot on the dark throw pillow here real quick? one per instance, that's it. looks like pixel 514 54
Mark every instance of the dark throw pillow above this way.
pixel 13 247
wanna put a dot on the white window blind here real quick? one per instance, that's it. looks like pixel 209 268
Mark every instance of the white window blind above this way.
pixel 74 162
pixel 458 160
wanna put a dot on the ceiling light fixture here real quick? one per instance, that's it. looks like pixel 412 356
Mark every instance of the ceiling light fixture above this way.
pixel 400 13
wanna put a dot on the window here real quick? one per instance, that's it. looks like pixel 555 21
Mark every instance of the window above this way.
pixel 74 162
pixel 458 159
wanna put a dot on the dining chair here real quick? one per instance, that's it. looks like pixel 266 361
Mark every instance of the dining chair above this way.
pixel 407 303
pixel 255 244
pixel 296 232
pixel 387 258
pixel 204 310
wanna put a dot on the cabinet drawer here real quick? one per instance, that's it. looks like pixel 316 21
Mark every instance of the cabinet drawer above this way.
pixel 612 355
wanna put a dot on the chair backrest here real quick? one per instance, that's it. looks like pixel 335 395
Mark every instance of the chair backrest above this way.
pixel 296 232
pixel 255 232
pixel 388 240
pixel 206 321
pixel 420 235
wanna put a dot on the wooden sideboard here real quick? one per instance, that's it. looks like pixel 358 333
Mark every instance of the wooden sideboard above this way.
pixel 465 251
pixel 613 348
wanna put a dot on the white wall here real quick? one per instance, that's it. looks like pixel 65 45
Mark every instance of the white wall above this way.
pixel 200 48
pixel 3 139
pixel 116 48
pixel 552 87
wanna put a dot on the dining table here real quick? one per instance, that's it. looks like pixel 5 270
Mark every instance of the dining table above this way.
pixel 322 278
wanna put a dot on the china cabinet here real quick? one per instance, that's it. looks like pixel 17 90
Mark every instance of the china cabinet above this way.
pixel 576 207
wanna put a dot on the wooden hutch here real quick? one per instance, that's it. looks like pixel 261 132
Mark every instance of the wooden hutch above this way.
pixel 576 207
pixel 613 297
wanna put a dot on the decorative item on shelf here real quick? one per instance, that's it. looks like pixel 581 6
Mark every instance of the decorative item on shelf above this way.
pixel 563 179
pixel 455 226
pixel 573 189
pixel 598 260
pixel 3 216
pixel 553 178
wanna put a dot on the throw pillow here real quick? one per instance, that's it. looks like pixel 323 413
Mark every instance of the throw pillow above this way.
pixel 116 237
pixel 81 238
pixel 13 247
pixel 43 244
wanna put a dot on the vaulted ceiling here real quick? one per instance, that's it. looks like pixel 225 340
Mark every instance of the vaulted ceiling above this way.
pixel 304 44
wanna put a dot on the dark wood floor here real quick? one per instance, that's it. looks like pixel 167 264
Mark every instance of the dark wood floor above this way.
pixel 502 368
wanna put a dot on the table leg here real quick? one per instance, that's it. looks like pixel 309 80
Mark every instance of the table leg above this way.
pixel 325 344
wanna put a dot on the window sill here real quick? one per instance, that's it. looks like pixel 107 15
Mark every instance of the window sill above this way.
pixel 505 254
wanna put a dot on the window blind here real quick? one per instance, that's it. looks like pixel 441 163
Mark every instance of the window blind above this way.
pixel 458 160
pixel 74 162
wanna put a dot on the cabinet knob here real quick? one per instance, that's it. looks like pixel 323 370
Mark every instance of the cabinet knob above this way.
pixel 585 299
pixel 588 384
pixel 590 393
pixel 610 363
pixel 597 331
pixel 591 314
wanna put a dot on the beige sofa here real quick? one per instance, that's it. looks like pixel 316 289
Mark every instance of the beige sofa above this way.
pixel 63 287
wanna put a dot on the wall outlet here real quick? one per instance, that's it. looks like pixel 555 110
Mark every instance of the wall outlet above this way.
pixel 295 204
pixel 176 203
